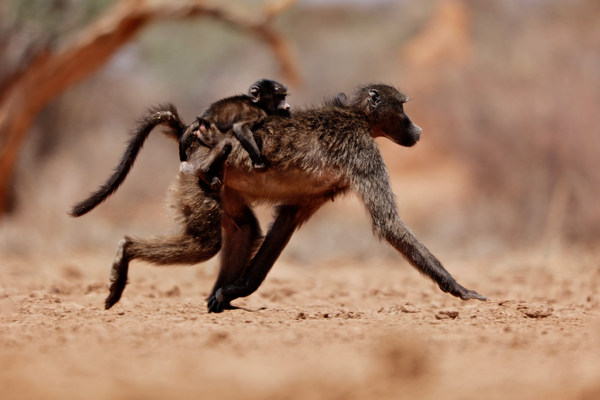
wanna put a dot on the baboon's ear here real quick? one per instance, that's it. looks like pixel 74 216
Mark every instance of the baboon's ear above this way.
pixel 374 98
pixel 254 93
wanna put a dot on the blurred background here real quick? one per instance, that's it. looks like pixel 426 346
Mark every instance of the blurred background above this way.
pixel 507 93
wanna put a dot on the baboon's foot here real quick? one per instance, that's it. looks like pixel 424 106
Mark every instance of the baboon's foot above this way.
pixel 118 275
pixel 465 294
pixel 221 299
pixel 214 305
pixel 116 290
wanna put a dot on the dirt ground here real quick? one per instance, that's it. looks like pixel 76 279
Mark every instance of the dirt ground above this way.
pixel 339 329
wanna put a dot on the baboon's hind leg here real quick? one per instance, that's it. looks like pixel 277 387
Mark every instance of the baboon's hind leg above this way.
pixel 177 249
pixel 118 275
pixel 241 238
pixel 289 218
pixel 240 241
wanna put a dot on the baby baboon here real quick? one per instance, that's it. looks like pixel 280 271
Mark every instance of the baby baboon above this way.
pixel 242 114
pixel 207 166
pixel 314 156
pixel 265 98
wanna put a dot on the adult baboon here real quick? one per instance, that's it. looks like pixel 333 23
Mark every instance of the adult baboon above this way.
pixel 314 156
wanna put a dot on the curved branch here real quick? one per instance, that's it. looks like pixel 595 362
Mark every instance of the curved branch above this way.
pixel 51 73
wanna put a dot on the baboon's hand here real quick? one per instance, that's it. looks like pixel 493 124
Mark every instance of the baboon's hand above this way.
pixel 466 294
pixel 217 302
pixel 214 305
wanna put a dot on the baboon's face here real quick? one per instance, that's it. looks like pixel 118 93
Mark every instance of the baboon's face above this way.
pixel 385 107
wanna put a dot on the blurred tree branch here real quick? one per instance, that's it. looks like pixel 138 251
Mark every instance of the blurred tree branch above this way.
pixel 25 93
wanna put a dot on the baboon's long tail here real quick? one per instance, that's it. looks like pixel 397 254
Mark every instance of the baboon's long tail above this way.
pixel 161 115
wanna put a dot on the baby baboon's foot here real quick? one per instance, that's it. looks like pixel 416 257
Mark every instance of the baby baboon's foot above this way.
pixel 188 168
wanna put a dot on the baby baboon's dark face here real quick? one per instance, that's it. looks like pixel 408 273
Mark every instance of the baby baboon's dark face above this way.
pixel 385 107
pixel 270 96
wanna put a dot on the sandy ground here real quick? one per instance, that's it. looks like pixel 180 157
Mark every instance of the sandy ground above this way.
pixel 336 330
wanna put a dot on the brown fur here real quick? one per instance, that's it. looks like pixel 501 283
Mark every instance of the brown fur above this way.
pixel 316 155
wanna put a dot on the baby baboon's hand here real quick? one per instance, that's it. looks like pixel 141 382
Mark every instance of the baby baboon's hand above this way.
pixel 259 164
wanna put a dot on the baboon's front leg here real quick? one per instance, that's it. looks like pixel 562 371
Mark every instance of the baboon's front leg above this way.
pixel 177 249
pixel 375 191
pixel 289 218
